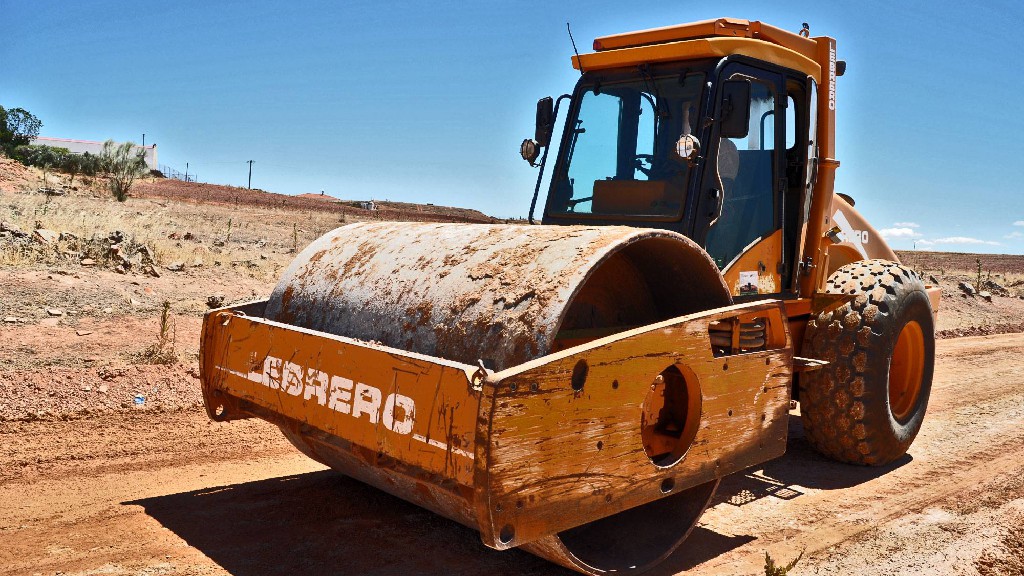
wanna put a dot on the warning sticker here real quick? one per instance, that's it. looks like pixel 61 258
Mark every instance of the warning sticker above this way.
pixel 748 283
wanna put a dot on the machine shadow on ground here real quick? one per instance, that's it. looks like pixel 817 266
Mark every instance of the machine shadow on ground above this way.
pixel 327 523
pixel 800 467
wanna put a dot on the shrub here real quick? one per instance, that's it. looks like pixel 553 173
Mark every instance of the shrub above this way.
pixel 43 156
pixel 90 164
pixel 123 163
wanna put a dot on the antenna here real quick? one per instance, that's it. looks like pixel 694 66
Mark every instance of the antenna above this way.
pixel 574 48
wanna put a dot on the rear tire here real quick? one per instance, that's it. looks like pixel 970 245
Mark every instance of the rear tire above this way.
pixel 866 407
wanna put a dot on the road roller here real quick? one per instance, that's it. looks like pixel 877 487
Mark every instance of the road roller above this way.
pixel 578 386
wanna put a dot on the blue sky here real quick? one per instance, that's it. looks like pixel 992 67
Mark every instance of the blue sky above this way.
pixel 428 101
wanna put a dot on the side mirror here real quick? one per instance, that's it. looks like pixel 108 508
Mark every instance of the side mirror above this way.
pixel 735 108
pixel 545 121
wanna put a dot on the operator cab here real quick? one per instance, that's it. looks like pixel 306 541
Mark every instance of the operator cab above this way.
pixel 720 150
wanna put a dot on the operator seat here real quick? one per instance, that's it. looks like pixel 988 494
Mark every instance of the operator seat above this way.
pixel 724 235
pixel 728 164
pixel 747 201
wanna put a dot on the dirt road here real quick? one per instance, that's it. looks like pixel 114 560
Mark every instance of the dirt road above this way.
pixel 170 493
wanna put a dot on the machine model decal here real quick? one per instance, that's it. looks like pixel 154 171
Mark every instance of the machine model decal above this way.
pixel 749 283
pixel 858 238
pixel 832 78
pixel 336 392
pixel 396 412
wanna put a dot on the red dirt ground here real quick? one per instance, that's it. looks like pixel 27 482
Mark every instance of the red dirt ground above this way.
pixel 92 482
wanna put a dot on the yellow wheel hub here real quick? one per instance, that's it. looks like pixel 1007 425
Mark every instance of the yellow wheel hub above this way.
pixel 906 370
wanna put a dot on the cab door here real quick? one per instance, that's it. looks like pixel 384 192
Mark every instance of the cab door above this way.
pixel 743 188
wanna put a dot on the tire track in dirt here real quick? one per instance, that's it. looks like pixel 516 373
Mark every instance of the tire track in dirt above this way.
pixel 121 442
pixel 971 437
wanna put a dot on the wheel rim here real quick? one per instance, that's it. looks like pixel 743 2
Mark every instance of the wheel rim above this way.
pixel 905 371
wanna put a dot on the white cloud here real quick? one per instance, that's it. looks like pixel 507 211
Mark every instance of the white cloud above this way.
pixel 925 242
pixel 1019 223
pixel 964 240
pixel 1014 234
pixel 906 225
pixel 894 233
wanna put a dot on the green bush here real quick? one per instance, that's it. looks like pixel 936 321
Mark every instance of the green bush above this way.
pixel 59 159
pixel 42 156
pixel 123 163
pixel 17 128
pixel 90 164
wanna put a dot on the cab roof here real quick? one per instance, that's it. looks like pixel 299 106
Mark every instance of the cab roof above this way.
pixel 708 38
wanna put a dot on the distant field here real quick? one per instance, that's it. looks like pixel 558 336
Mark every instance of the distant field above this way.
pixel 938 261
pixel 231 195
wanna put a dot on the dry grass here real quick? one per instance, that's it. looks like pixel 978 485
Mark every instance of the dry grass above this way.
pixel 163 350
pixel 256 242
pixel 16 256
pixel 772 569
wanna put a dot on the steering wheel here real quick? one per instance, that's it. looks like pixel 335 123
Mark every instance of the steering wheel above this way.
pixel 570 205
pixel 667 164
pixel 638 163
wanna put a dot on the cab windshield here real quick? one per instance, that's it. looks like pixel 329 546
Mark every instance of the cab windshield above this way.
pixel 619 154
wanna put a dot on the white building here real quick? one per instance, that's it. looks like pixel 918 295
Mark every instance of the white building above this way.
pixel 82 146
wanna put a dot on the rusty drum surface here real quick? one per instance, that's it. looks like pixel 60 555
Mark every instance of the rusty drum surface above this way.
pixel 504 295
pixel 497 293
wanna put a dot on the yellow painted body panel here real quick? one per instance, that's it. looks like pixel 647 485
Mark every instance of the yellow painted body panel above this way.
pixel 406 406
pixel 696 49
pixel 860 239
pixel 763 257
pixel 728 27
pixel 543 437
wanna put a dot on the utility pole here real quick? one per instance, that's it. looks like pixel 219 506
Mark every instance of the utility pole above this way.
pixel 250 174
pixel 143 140
pixel 186 171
